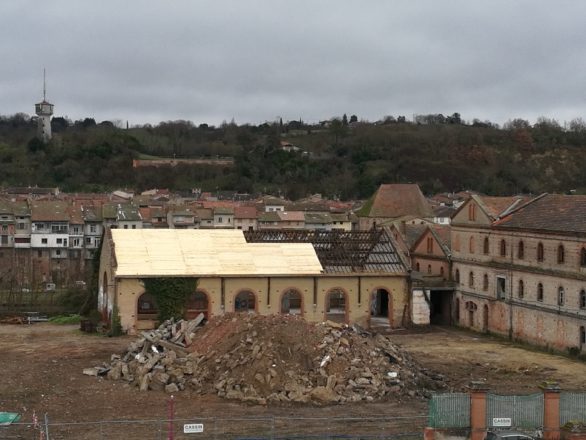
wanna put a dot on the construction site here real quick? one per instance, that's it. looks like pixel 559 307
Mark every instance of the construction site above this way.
pixel 284 335
pixel 255 378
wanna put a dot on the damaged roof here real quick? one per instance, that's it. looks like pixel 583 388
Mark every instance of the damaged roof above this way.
pixel 341 251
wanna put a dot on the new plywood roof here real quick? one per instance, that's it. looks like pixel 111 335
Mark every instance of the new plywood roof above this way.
pixel 204 252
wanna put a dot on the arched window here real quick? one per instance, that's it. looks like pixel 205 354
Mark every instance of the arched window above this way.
pixel 471 279
pixel 147 306
pixel 503 248
pixel 457 276
pixel 472 212
pixel 521 250
pixel 540 254
pixel 457 242
pixel 540 292
pixel 197 303
pixel 561 254
pixel 561 296
pixel 429 243
pixel 245 301
pixel 418 267
pixel 583 299
pixel 471 245
pixel 486 247
pixel 583 257
pixel 442 271
pixel 292 302
pixel 485 282
pixel 521 289
pixel 429 268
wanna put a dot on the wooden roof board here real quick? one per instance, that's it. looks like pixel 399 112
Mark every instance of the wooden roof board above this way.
pixel 193 252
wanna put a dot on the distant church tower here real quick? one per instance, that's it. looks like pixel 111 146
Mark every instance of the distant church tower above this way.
pixel 44 110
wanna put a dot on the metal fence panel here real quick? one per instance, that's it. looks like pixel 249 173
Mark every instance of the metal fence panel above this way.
pixel 525 412
pixel 245 428
pixel 450 410
pixel 572 407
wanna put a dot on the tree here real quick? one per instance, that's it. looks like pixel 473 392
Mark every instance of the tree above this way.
pixel 58 124
pixel 353 118
pixel 344 119
pixel 338 130
pixel 516 124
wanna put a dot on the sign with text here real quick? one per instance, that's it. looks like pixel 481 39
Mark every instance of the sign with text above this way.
pixel 502 422
pixel 192 428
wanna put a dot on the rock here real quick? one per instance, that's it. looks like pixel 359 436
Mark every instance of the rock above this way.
pixel 259 377
pixel 331 383
pixel 91 371
pixel 323 395
pixel 171 388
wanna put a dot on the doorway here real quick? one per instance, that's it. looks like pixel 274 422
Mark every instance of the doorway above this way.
pixel 336 306
pixel 380 308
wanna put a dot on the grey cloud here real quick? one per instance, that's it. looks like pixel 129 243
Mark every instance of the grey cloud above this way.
pixel 207 61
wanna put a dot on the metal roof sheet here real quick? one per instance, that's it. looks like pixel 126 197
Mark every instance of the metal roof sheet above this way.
pixel 204 252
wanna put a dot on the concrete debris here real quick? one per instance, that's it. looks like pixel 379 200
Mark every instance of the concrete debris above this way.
pixel 269 359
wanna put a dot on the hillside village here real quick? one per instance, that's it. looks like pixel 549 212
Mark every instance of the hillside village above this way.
pixel 513 266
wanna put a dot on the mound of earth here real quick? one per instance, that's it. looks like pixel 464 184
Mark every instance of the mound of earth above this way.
pixel 279 358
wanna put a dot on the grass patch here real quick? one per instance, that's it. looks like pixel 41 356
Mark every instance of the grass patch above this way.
pixel 65 319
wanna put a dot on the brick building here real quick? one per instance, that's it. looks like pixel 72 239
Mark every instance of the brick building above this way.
pixel 520 268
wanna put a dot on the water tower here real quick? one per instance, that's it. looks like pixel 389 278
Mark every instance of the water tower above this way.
pixel 44 110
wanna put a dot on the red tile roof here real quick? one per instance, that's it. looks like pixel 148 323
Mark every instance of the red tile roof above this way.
pixel 398 200
pixel 550 213
pixel 243 212
pixel 497 206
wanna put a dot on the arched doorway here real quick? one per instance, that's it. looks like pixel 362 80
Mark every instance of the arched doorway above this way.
pixel 380 307
pixel 485 318
pixel 457 311
pixel 471 307
pixel 292 302
pixel 245 302
pixel 197 303
pixel 336 302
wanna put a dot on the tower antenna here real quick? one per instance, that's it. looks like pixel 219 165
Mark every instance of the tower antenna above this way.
pixel 44 85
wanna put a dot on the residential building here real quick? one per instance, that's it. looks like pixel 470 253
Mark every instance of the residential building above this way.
pixel 224 218
pixel 522 272
pixel 319 221
pixel 245 218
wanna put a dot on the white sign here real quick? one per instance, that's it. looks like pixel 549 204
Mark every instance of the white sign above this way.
pixel 192 428
pixel 501 422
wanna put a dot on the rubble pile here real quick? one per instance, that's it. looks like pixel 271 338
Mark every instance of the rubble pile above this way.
pixel 263 359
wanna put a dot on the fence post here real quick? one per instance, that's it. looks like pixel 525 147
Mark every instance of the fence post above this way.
pixel 171 413
pixel 46 427
pixel 428 433
pixel 478 392
pixel 551 410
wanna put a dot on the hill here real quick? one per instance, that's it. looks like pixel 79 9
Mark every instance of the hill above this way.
pixel 337 160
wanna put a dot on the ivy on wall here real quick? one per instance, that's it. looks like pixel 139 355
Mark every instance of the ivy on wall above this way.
pixel 170 294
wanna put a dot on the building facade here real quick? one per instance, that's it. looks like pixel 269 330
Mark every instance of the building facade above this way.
pixel 521 272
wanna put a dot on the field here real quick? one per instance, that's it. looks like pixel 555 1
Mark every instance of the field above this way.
pixel 42 371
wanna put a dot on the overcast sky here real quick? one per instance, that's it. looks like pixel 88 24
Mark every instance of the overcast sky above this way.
pixel 255 60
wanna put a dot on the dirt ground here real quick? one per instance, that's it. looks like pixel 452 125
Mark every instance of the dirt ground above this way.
pixel 42 365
